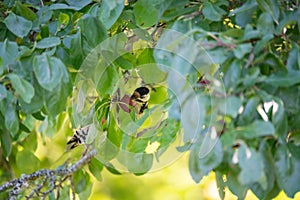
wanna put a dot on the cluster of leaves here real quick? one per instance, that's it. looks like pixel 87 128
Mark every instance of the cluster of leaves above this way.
pixel 42 46
pixel 255 45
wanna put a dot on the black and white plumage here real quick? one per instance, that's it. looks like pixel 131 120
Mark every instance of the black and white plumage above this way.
pixel 79 137
pixel 139 100
pixel 140 97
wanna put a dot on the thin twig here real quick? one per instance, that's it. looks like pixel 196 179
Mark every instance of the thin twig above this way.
pixel 250 59
pixel 190 16
pixel 221 43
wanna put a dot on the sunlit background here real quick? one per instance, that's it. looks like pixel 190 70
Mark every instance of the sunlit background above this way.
pixel 172 182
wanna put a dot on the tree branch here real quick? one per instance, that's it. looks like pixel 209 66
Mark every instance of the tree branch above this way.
pixel 52 176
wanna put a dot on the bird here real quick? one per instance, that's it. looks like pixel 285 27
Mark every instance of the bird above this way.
pixel 79 137
pixel 139 100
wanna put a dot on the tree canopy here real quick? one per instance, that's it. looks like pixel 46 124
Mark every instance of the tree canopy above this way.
pixel 224 79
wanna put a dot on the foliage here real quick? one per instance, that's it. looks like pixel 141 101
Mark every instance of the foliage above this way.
pixel 224 77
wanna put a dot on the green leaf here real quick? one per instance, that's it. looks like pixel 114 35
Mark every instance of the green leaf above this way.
pixel 145 57
pixel 55 101
pixel 125 61
pixel 231 107
pixel 232 74
pixel 284 80
pixel 27 161
pixel 93 32
pixel 62 6
pixel 244 13
pixel 287 171
pixel 85 194
pixel 276 63
pixel 294 149
pixel 36 102
pixel 110 11
pixel 107 81
pixel 63 19
pixel 112 169
pixel 265 20
pixel 48 126
pixel 250 33
pixel 234 184
pixel 137 163
pixel 217 56
pixel 252 76
pixel 293 60
pixel 75 51
pixel 22 87
pixel 146 66
pixel 52 196
pixel 235 33
pixel 6 143
pixel 168 133
pixel 31 141
pixel 8 53
pixel 102 109
pixel 194 166
pixel 294 136
pixel 245 7
pixel 249 111
pixel 157 75
pixel 290 100
pixel 64 193
pixel 212 12
pixel 210 159
pixel 204 157
pixel 272 189
pixel 106 150
pixel 280 121
pixel 3 92
pixel 256 129
pixel 23 10
pixel 252 166
pixel 242 50
pixel 48 71
pixel 229 139
pixel 192 121
pixel 181 52
pixel 48 42
pixel 79 4
pixel 176 9
pixel 83 184
pixel 44 14
pixel 261 44
pixel 134 145
pixel 158 96
pixel 18 25
pixel 11 120
pixel 147 12
pixel 95 167
pixel 115 132
pixel 270 6
pixel 143 35
pixel 221 185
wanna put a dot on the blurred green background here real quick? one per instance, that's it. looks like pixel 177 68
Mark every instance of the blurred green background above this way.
pixel 172 182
